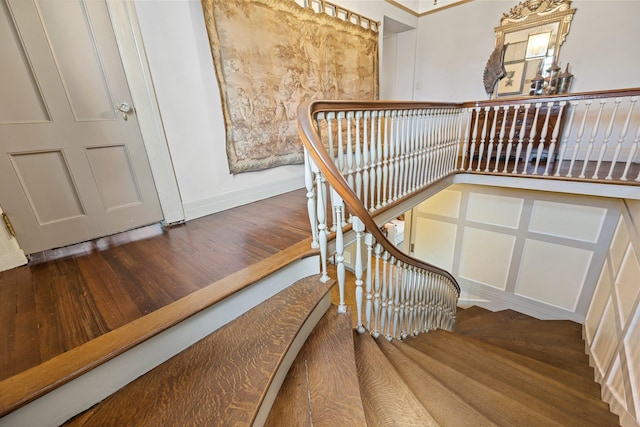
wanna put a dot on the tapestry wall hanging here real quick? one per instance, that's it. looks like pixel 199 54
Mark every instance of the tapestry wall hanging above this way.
pixel 271 55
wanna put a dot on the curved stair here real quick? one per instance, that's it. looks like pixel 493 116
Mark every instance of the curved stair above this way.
pixel 500 369
pixel 483 375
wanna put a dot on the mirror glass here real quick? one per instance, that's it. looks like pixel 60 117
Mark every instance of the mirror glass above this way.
pixel 529 40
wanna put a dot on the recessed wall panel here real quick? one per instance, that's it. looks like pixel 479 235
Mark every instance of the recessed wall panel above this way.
pixel 598 302
pixel 76 56
pixel 486 256
pixel 114 176
pixel 619 243
pixel 445 203
pixel 435 242
pixel 552 274
pixel 627 284
pixel 632 350
pixel 48 185
pixel 22 101
pixel 494 209
pixel 606 339
pixel 576 222
pixel 615 381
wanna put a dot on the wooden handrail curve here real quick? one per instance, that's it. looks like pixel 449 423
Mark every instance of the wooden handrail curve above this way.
pixel 311 140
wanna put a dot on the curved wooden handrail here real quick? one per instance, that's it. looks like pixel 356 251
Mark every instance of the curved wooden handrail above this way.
pixel 310 138
pixel 577 96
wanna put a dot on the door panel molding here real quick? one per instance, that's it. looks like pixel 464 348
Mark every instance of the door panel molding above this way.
pixel 129 38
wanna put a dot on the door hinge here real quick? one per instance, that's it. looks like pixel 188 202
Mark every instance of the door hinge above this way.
pixel 411 247
pixel 7 222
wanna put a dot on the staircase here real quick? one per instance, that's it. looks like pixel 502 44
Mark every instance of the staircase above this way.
pixel 500 368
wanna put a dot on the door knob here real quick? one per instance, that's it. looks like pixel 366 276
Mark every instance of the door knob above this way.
pixel 124 107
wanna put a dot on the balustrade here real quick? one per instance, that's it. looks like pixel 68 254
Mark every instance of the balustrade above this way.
pixel 364 157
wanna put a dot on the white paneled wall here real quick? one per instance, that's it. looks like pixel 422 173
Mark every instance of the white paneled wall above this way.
pixel 536 252
pixel 612 323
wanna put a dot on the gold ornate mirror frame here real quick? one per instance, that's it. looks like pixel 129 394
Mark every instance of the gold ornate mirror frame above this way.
pixel 528 15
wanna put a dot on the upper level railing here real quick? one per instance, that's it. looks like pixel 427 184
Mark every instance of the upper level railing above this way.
pixel 584 136
pixel 371 156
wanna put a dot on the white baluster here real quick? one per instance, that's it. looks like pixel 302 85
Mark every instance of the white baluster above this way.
pixel 369 242
pixel 390 298
pixel 465 144
pixel 374 159
pixel 492 136
pixel 338 205
pixel 383 293
pixel 543 136
pixel 413 160
pixel 523 130
pixel 341 160
pixel 379 162
pixel 554 138
pixel 358 156
pixel 311 196
pixel 532 136
pixel 322 225
pixel 396 157
pixel 385 162
pixel 474 136
pixel 389 155
pixel 350 171
pixel 503 126
pixel 632 155
pixel 565 143
pixel 365 159
pixel 393 172
pixel 594 133
pixel 622 137
pixel 376 292
pixel 401 154
pixel 483 136
pixel 576 146
pixel 512 133
pixel 358 228
pixel 396 299
pixel 607 136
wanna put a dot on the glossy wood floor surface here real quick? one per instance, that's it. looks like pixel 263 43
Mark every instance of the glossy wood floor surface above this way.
pixel 68 296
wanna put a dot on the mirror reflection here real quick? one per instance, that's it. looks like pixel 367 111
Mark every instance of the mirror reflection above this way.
pixel 529 40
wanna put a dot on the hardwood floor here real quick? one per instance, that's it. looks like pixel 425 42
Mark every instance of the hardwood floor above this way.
pixel 69 296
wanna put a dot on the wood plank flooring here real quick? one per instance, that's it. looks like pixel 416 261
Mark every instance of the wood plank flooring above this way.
pixel 69 296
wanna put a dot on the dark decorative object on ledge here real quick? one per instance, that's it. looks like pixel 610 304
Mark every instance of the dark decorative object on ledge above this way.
pixel 564 81
pixel 537 84
pixel 494 70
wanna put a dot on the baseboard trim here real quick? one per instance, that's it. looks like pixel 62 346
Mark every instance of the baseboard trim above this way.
pixel 239 197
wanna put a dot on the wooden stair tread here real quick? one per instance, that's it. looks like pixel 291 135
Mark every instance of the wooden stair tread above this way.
pixel 322 387
pixel 552 398
pixel 387 400
pixel 490 318
pixel 464 314
pixel 223 377
pixel 446 406
pixel 563 359
pixel 582 383
pixel 493 404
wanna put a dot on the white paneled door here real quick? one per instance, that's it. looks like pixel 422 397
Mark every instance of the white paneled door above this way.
pixel 73 164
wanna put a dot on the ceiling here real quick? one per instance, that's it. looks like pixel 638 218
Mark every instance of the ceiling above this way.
pixel 425 7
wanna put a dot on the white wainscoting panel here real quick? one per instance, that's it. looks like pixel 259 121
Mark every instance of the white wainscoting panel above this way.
pixel 438 247
pixel 486 257
pixel 612 334
pixel 606 339
pixel 538 252
pixel 567 220
pixel 632 353
pixel 445 203
pixel 598 302
pixel 495 210
pixel 628 285
pixel 553 274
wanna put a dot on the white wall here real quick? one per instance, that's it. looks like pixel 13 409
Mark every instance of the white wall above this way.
pixel 177 47
pixel 454 45
pixel 612 324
